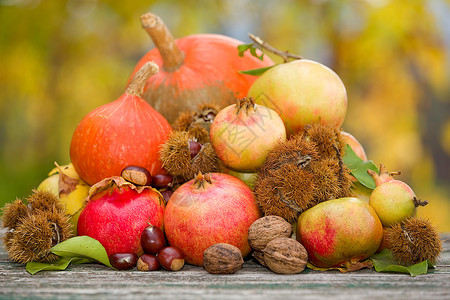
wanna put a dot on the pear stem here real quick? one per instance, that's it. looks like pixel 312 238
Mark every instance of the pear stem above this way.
pixel 164 41
pixel 283 54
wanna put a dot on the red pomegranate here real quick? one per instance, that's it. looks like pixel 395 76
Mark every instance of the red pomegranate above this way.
pixel 194 69
pixel 210 209
pixel 117 212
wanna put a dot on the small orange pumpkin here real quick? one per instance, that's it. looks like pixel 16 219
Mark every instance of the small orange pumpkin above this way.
pixel 195 69
pixel 127 131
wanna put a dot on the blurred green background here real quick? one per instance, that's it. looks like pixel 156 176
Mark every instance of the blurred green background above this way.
pixel 60 59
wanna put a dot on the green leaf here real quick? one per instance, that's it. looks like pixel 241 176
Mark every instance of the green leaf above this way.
pixel 253 52
pixel 244 47
pixel 59 265
pixel 383 262
pixel 359 167
pixel 82 247
pixel 79 250
pixel 256 72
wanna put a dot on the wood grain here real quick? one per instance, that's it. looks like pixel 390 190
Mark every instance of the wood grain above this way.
pixel 92 281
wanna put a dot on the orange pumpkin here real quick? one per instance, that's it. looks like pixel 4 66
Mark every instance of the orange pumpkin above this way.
pixel 195 69
pixel 127 131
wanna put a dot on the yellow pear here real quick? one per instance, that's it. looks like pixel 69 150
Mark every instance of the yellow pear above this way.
pixel 64 182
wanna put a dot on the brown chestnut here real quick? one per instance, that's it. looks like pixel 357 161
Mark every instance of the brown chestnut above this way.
pixel 194 148
pixel 171 258
pixel 209 117
pixel 123 261
pixel 162 181
pixel 152 240
pixel 166 194
pixel 137 175
pixel 148 262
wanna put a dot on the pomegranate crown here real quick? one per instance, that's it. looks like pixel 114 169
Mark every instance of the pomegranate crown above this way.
pixel 200 181
pixel 383 176
pixel 245 104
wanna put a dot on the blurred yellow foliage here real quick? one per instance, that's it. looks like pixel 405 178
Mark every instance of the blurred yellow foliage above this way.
pixel 61 59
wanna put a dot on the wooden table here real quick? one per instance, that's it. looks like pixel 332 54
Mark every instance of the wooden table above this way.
pixel 92 281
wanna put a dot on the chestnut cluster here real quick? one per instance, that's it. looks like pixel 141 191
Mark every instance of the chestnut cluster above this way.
pixel 34 226
pixel 142 177
pixel 188 149
pixel 303 171
pixel 156 254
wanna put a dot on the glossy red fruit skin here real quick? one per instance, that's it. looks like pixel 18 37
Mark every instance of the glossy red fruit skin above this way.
pixel 152 240
pixel 171 258
pixel 123 261
pixel 117 218
pixel 243 134
pixel 339 232
pixel 221 212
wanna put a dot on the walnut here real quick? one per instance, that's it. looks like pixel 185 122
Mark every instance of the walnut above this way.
pixel 285 256
pixel 222 258
pixel 267 228
pixel 259 256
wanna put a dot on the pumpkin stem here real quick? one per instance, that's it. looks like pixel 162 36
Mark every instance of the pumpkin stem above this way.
pixel 283 54
pixel 171 55
pixel 137 85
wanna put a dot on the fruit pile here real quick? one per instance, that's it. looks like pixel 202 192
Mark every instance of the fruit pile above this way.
pixel 200 161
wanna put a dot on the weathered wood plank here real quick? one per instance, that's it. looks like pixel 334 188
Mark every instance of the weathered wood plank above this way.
pixel 252 282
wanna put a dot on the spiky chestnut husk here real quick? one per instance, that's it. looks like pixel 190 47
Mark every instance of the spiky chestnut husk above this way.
pixel 37 201
pixel 35 228
pixel 299 173
pixel 43 201
pixel 290 190
pixel 207 112
pixel 32 239
pixel 332 179
pixel 414 240
pixel 13 212
pixel 183 122
pixel 285 192
pixel 198 122
pixel 200 134
pixel 176 157
pixel 326 177
pixel 295 151
pixel 328 140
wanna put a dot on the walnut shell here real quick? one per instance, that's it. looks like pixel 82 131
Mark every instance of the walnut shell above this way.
pixel 222 258
pixel 285 256
pixel 259 256
pixel 267 228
